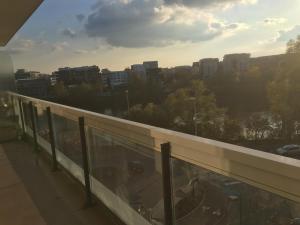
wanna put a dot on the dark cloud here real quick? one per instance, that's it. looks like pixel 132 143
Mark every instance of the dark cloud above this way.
pixel 68 32
pixel 146 23
pixel 80 17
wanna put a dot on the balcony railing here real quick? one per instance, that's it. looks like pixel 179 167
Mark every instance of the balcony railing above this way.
pixel 201 181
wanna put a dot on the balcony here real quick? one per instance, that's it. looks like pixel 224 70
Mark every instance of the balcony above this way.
pixel 148 175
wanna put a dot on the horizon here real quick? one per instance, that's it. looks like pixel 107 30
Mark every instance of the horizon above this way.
pixel 126 67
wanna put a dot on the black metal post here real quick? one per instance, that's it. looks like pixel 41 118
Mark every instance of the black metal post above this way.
pixel 22 116
pixel 33 126
pixel 52 139
pixel 85 163
pixel 167 182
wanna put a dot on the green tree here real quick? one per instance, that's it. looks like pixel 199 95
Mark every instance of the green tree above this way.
pixel 257 126
pixel 98 87
pixel 232 130
pixel 284 95
pixel 194 110
pixel 177 80
pixel 293 45
pixel 240 93
pixel 59 91
pixel 150 114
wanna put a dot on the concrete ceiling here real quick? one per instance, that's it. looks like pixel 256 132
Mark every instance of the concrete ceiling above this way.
pixel 13 14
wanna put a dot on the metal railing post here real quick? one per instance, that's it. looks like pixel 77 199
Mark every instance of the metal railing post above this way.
pixel 22 116
pixel 52 139
pixel 167 182
pixel 33 126
pixel 85 163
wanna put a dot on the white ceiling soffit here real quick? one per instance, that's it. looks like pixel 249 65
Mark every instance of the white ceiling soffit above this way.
pixel 13 14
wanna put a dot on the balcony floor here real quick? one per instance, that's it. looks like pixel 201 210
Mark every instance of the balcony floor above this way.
pixel 31 194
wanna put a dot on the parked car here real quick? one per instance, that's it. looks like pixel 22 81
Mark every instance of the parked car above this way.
pixel 197 203
pixel 292 151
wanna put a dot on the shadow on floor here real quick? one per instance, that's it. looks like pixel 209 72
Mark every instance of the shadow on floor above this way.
pixel 58 197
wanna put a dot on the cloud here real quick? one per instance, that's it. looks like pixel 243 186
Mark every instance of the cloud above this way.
pixel 15 51
pixel 20 45
pixel 286 35
pixel 68 32
pixel 148 23
pixel 80 51
pixel 274 21
pixel 209 3
pixel 80 17
pixel 59 46
pixel 282 36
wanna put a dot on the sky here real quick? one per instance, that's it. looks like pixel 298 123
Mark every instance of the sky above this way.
pixel 115 34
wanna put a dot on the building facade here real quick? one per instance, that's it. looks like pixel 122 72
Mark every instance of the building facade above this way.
pixel 34 87
pixel 208 67
pixel 138 70
pixel 236 63
pixel 23 74
pixel 114 79
pixel 150 65
pixel 77 75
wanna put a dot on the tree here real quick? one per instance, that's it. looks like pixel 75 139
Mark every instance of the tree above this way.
pixel 232 130
pixel 59 91
pixel 193 109
pixel 284 95
pixel 86 96
pixel 293 45
pixel 257 126
pixel 240 93
pixel 180 79
pixel 150 114
pixel 142 91
pixel 81 95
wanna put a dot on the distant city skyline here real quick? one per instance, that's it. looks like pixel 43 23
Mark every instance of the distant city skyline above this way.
pixel 115 34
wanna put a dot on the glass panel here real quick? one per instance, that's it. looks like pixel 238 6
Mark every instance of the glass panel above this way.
pixel 67 138
pixel 204 197
pixel 27 118
pixel 6 108
pixel 15 108
pixel 8 118
pixel 42 124
pixel 130 171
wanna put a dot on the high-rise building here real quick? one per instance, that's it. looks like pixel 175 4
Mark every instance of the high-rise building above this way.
pixel 78 75
pixel 150 65
pixel 208 67
pixel 236 63
pixel 115 79
pixel 138 70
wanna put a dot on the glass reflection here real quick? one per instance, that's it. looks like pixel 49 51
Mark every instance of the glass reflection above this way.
pixel 42 123
pixel 204 197
pixel 130 171
pixel 67 138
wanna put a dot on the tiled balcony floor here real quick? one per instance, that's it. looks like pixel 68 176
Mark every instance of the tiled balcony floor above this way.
pixel 31 194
